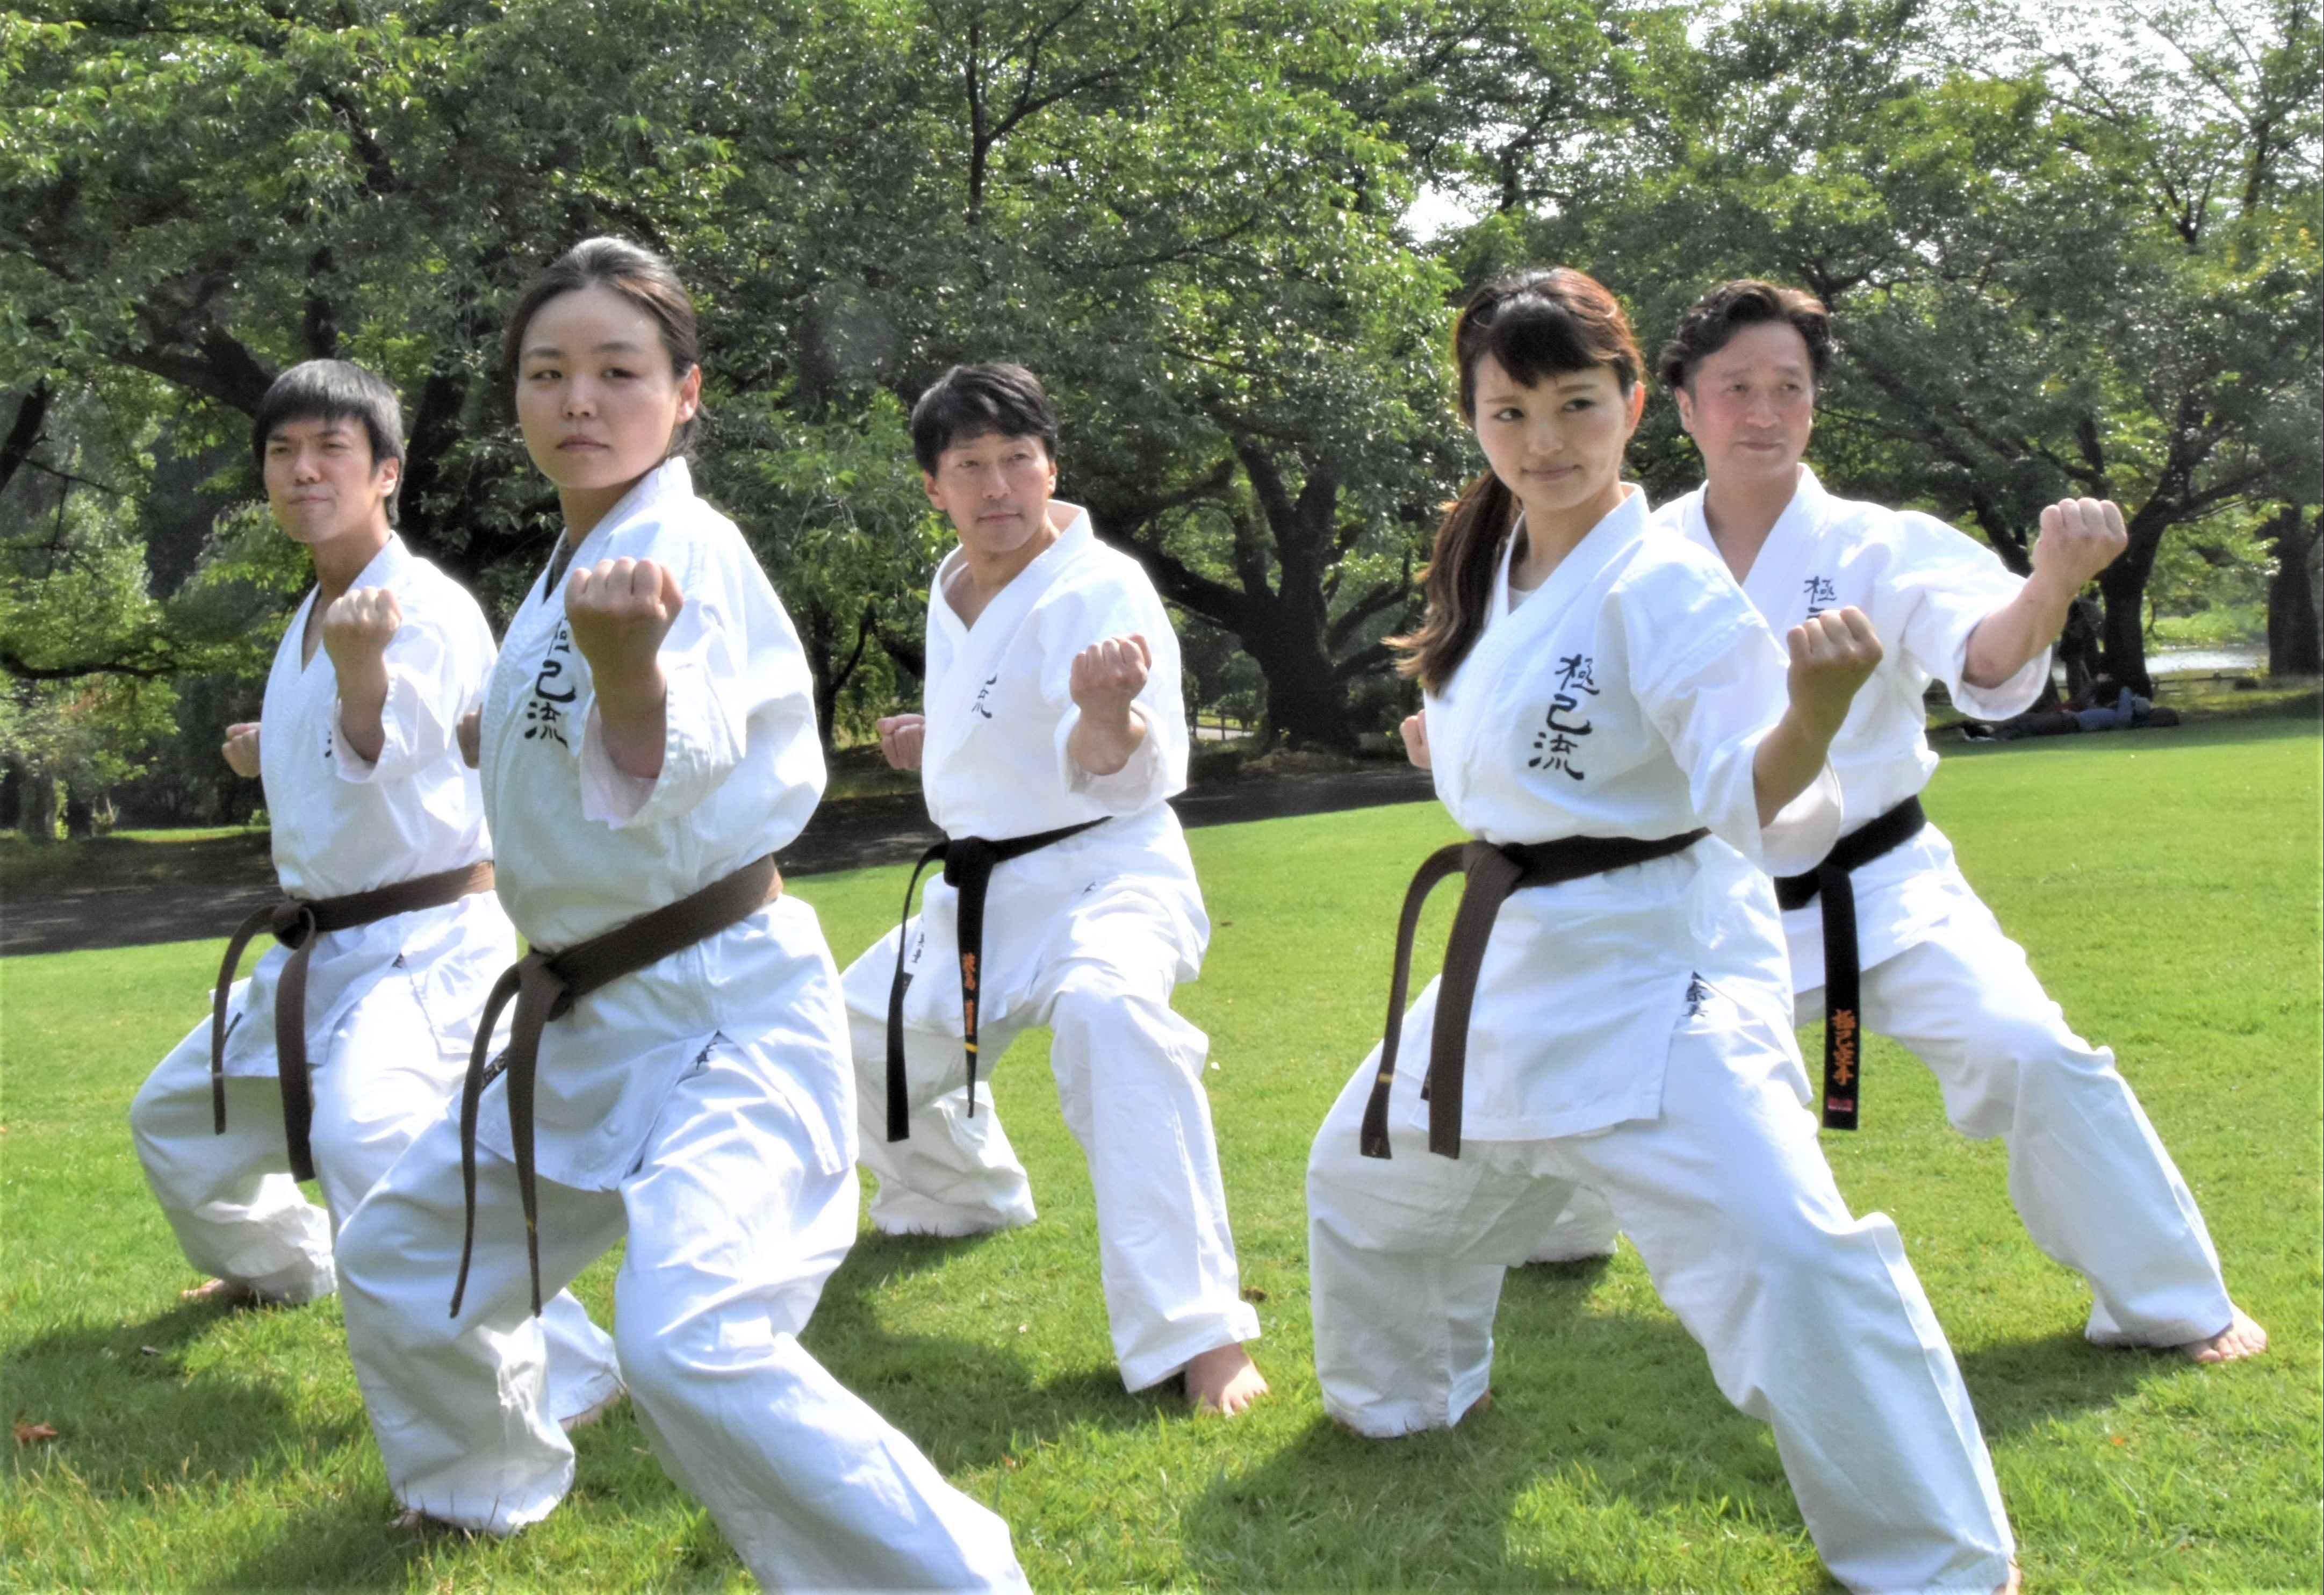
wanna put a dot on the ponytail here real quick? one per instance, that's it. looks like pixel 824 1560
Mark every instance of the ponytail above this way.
pixel 1459 582
pixel 1533 324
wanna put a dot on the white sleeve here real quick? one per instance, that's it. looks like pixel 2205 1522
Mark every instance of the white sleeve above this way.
pixel 1156 771
pixel 1945 583
pixel 711 692
pixel 433 679
pixel 1714 705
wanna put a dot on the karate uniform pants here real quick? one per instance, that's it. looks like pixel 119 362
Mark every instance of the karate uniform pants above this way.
pixel 1813 1319
pixel 1130 1079
pixel 2088 1175
pixel 735 1214
pixel 239 1215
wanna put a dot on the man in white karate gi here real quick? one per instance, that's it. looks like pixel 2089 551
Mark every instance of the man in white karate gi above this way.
pixel 2090 1179
pixel 1052 721
pixel 367 794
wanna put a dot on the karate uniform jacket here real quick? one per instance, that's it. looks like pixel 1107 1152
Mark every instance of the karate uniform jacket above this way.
pixel 584 847
pixel 1925 586
pixel 998 710
pixel 343 825
pixel 1624 698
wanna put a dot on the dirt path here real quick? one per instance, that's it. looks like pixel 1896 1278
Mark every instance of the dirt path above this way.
pixel 844 835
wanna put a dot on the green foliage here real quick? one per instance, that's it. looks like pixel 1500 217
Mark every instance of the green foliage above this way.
pixel 2067 256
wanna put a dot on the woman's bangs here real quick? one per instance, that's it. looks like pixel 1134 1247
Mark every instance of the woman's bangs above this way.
pixel 1534 338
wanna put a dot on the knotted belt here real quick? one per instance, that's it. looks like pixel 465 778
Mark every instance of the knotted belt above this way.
pixel 968 865
pixel 1842 973
pixel 296 923
pixel 546 986
pixel 1490 873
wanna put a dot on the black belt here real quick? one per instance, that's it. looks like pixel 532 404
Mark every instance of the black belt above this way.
pixel 1843 1027
pixel 968 865
pixel 1490 874
pixel 296 923
pixel 546 986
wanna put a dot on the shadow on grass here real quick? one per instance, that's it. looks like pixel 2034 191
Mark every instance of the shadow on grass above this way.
pixel 2018 1385
pixel 1616 1407
pixel 967 1404
pixel 132 1417
pixel 1613 1414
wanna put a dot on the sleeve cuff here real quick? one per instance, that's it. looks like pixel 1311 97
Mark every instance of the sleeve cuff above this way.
pixel 2013 697
pixel 1805 830
pixel 1137 785
pixel 696 756
pixel 402 720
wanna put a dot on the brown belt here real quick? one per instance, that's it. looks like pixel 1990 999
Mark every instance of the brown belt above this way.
pixel 296 923
pixel 546 985
pixel 1490 874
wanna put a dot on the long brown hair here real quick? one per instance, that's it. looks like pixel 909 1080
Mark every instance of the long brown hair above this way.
pixel 1534 324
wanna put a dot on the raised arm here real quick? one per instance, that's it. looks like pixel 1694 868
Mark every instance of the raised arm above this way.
pixel 1833 655
pixel 2078 539
pixel 620 611
pixel 356 630
pixel 1107 677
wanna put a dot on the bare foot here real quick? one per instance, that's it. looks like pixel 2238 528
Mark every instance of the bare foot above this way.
pixel 2015 1583
pixel 2241 1338
pixel 222 1293
pixel 590 1415
pixel 1477 1408
pixel 1224 1381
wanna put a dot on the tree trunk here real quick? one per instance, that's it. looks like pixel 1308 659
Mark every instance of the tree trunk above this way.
pixel 1306 702
pixel 2295 641
pixel 12 793
pixel 81 820
pixel 2122 634
pixel 38 817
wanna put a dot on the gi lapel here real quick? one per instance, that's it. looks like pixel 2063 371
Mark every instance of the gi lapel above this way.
pixel 1777 581
pixel 1513 640
pixel 979 653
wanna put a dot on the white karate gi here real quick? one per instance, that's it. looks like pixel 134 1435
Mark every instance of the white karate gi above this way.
pixel 391 1006
pixel 1632 1032
pixel 1087 936
pixel 2089 1177
pixel 700 1107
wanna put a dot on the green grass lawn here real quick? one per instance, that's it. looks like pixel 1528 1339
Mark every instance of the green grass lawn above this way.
pixel 2166 884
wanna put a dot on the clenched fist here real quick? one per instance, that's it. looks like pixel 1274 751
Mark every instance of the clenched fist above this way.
pixel 1109 675
pixel 1415 731
pixel 900 740
pixel 620 611
pixel 357 628
pixel 471 733
pixel 241 749
pixel 1833 654
pixel 2079 538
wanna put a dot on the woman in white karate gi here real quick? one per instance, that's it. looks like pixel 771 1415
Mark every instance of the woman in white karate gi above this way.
pixel 1053 705
pixel 355 745
pixel 650 732
pixel 1587 678
pixel 2092 1181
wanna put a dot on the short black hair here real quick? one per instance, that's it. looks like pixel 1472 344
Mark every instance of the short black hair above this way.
pixel 1715 317
pixel 334 391
pixel 971 401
